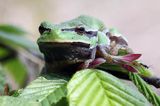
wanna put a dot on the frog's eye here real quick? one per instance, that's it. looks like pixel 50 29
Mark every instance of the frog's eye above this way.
pixel 80 30
pixel 43 29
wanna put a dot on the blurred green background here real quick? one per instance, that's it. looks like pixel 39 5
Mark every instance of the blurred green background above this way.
pixel 138 20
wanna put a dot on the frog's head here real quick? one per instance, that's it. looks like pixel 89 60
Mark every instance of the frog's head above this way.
pixel 72 41
pixel 80 30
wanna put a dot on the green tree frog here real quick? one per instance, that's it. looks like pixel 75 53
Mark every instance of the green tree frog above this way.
pixel 82 42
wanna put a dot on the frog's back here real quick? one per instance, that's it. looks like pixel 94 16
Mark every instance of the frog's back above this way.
pixel 84 21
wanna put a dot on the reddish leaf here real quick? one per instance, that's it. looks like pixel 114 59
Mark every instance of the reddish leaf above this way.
pixel 130 57
pixel 129 68
pixel 96 62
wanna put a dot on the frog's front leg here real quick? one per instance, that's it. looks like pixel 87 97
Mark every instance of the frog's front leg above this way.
pixel 99 56
pixel 93 62
pixel 102 52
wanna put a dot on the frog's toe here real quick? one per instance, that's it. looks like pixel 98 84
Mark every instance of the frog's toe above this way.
pixel 85 64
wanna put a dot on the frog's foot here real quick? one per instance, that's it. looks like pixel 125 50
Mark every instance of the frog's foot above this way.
pixel 92 63
pixel 85 64
pixel 116 59
pixel 101 52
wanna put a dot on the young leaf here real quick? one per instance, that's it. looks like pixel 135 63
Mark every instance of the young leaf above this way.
pixel 145 89
pixel 92 87
pixel 12 101
pixel 47 92
pixel 130 57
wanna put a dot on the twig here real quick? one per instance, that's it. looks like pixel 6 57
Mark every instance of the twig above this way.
pixel 152 80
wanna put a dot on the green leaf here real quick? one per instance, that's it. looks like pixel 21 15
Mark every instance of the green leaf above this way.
pixel 145 89
pixel 16 93
pixel 12 101
pixel 16 69
pixel 12 29
pixel 2 80
pixel 92 87
pixel 112 67
pixel 55 76
pixel 3 52
pixel 47 92
pixel 18 41
pixel 14 36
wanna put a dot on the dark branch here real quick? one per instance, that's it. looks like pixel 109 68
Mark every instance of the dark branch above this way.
pixel 153 81
pixel 150 80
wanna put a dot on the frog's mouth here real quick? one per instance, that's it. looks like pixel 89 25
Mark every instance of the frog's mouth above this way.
pixel 52 44
pixel 74 52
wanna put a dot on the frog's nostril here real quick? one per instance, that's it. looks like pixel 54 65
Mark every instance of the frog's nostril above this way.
pixel 43 29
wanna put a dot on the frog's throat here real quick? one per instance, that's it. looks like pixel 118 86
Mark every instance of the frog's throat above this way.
pixel 77 52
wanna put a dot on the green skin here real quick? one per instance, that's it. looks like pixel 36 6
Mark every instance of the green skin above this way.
pixel 88 23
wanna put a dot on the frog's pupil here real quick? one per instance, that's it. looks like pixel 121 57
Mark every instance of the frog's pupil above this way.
pixel 80 30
